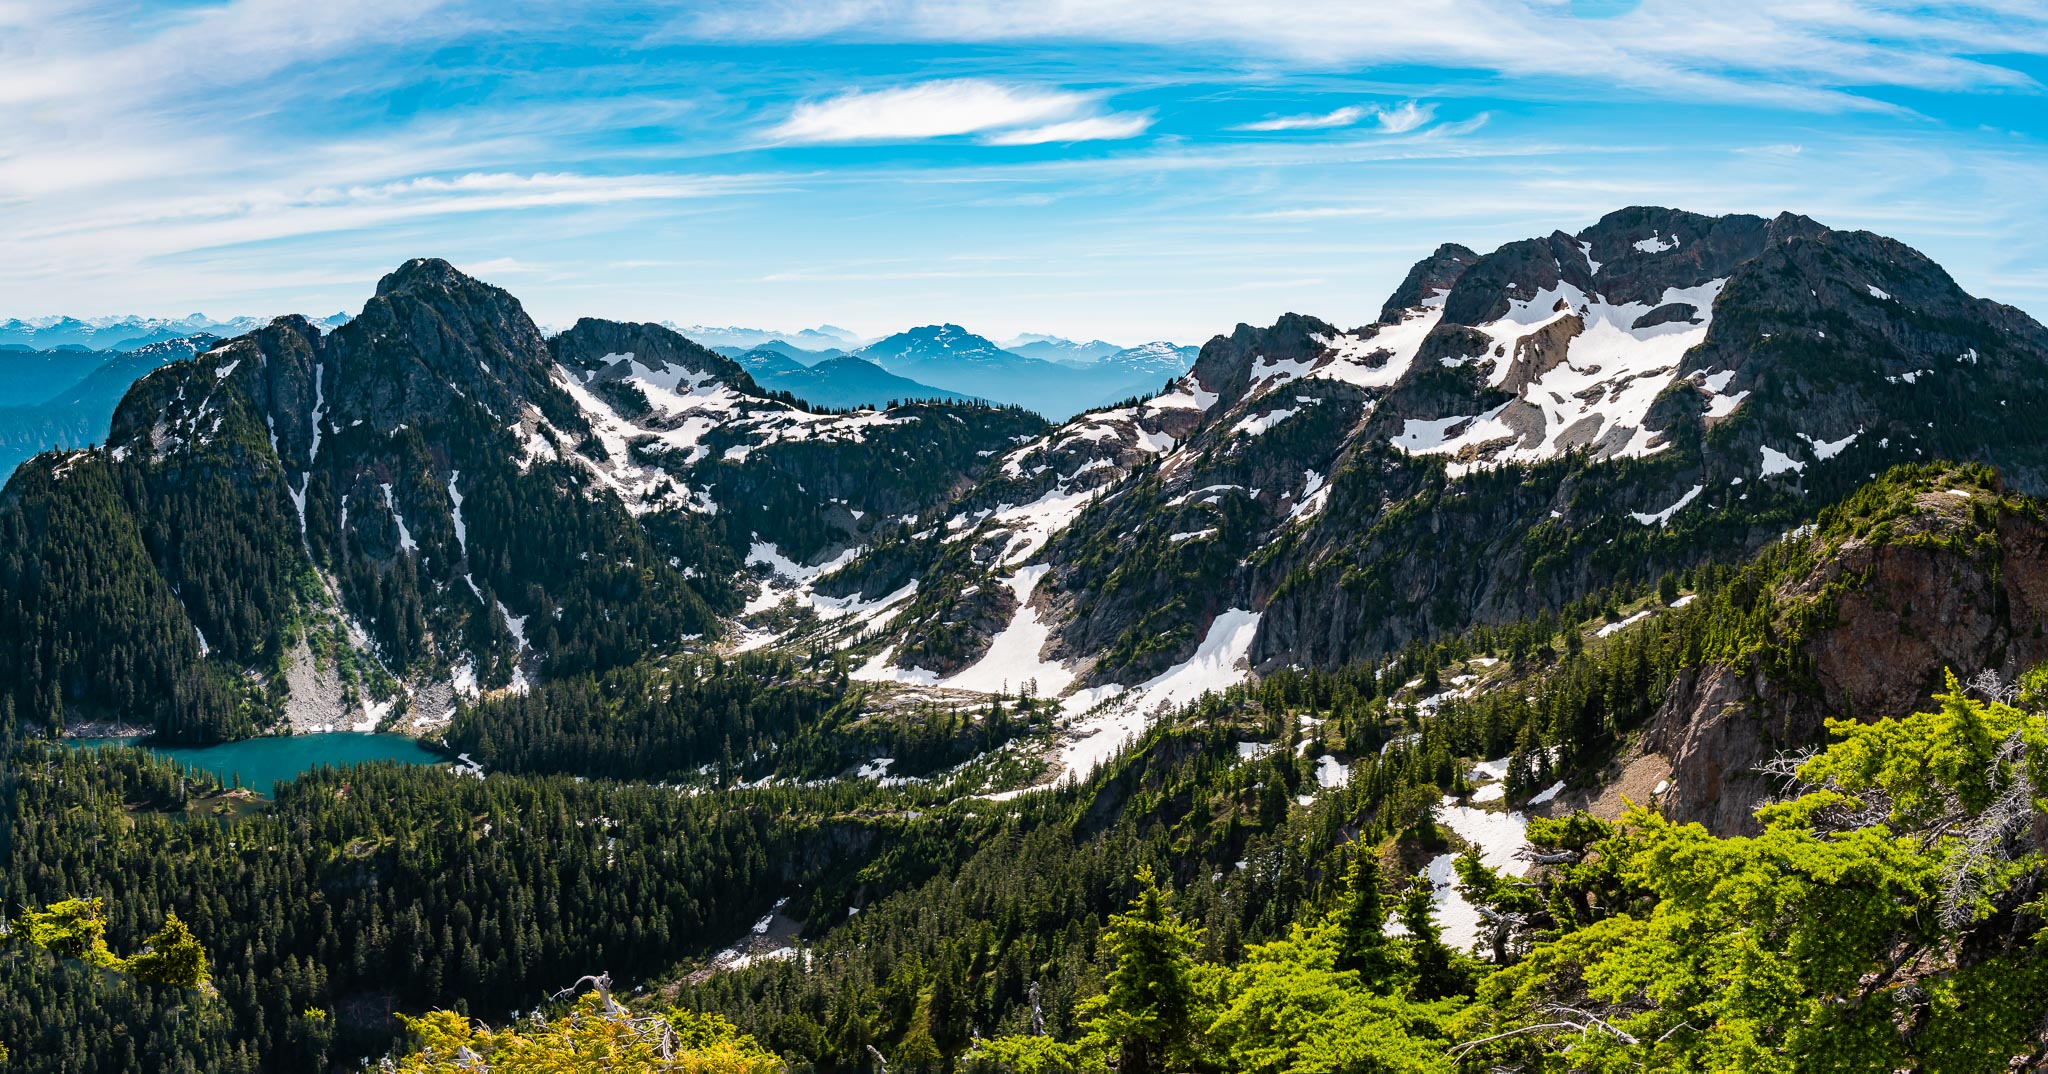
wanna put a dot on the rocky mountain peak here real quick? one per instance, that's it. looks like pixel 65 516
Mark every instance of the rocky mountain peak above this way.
pixel 593 344
pixel 1518 271
pixel 423 272
pixel 1638 253
pixel 1788 226
pixel 1431 277
pixel 934 342
pixel 433 333
pixel 1230 366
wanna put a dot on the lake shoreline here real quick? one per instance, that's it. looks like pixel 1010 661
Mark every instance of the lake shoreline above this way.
pixel 259 764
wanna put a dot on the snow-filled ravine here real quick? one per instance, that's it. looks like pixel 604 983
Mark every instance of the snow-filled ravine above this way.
pixel 1499 837
pixel 1111 716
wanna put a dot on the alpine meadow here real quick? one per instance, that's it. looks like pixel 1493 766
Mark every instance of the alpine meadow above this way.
pixel 1492 537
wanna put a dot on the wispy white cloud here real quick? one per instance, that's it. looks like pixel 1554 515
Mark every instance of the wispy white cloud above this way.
pixel 1404 117
pixel 929 110
pixel 1822 55
pixel 263 154
pixel 1106 128
pixel 1776 149
pixel 1461 127
pixel 1398 119
pixel 1342 117
pixel 1320 212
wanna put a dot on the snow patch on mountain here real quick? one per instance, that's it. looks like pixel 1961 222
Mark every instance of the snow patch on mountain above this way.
pixel 1777 462
pixel 1260 423
pixel 1663 518
pixel 879 668
pixel 1188 393
pixel 1823 450
pixel 1217 664
pixel 1315 493
pixel 1597 396
pixel 1031 525
pixel 1377 358
pixel 405 540
pixel 1014 655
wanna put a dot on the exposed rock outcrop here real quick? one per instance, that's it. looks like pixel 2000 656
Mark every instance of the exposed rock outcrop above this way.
pixel 1958 583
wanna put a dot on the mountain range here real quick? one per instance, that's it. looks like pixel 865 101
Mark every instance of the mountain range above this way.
pixel 67 396
pixel 125 333
pixel 1058 349
pixel 950 357
pixel 40 357
pixel 1592 520
pixel 838 380
pixel 825 337
pixel 1562 413
pixel 1055 377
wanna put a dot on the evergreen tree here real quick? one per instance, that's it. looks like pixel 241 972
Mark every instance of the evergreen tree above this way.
pixel 1362 944
pixel 173 956
pixel 1149 1006
pixel 1435 974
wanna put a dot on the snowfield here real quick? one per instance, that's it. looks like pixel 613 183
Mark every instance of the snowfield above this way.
pixel 1598 396
pixel 1215 666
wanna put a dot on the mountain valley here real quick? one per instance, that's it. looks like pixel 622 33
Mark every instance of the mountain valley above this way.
pixel 1414 689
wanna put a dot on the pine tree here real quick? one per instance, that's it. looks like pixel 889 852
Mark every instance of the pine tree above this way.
pixel 1149 1007
pixel 1361 921
pixel 1435 976
pixel 173 956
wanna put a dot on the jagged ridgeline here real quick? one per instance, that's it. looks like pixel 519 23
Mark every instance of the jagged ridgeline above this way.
pixel 363 525
pixel 1517 429
pixel 345 528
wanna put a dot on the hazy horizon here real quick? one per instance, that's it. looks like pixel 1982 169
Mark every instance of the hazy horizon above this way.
pixel 1127 173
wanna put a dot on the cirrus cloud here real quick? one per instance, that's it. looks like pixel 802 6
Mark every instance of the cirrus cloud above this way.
pixel 1404 117
pixel 1342 117
pixel 1106 128
pixel 1002 113
pixel 1399 119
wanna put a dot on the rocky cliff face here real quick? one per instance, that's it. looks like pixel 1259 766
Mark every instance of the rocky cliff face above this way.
pixel 1953 580
pixel 1434 275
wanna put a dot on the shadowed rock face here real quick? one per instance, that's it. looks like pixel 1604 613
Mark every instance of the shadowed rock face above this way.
pixel 1434 275
pixel 1229 364
pixel 593 344
pixel 1906 613
pixel 430 332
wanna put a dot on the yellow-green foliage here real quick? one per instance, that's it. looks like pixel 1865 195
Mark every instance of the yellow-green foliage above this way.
pixel 1285 1008
pixel 598 1036
pixel 1818 944
pixel 173 956
pixel 73 928
pixel 77 928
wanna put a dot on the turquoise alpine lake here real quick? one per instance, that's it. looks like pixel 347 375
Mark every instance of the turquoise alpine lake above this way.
pixel 261 763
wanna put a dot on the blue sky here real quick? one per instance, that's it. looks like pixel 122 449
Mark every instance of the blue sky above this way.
pixel 1130 170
